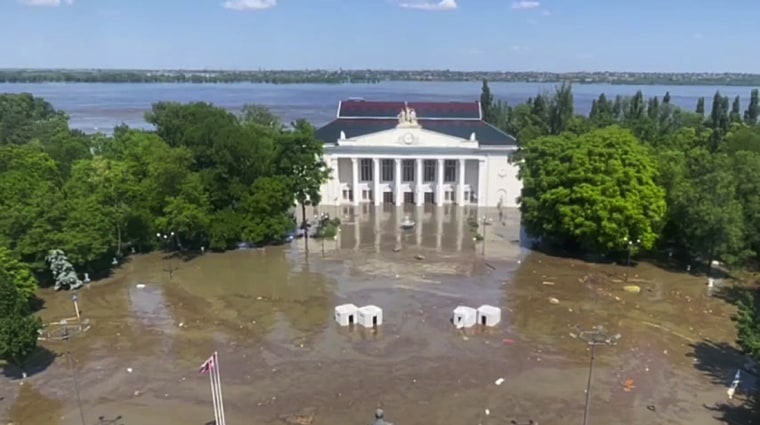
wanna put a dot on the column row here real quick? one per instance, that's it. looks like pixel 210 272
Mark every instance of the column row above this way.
pixel 405 180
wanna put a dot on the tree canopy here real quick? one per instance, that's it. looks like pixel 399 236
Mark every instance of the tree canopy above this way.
pixel 211 177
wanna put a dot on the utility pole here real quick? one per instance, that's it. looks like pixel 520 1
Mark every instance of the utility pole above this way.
pixel 595 336
pixel 631 244
pixel 66 337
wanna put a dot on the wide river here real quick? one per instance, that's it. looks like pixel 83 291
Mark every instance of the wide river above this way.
pixel 99 107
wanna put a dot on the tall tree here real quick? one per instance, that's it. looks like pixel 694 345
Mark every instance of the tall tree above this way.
pixel 561 109
pixel 700 106
pixel 487 105
pixel 735 116
pixel 753 110
pixel 591 191
pixel 299 156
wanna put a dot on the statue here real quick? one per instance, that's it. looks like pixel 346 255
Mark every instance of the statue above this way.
pixel 402 118
pixel 407 117
pixel 412 116
pixel 63 271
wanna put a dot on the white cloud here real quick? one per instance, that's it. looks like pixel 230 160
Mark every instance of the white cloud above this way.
pixel 427 5
pixel 46 3
pixel 525 4
pixel 249 4
pixel 546 12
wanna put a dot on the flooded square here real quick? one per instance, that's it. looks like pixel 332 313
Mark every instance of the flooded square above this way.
pixel 283 359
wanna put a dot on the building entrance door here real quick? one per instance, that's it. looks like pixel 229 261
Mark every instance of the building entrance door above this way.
pixel 409 197
pixel 387 197
pixel 429 198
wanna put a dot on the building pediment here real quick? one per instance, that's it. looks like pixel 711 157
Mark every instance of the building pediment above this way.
pixel 404 136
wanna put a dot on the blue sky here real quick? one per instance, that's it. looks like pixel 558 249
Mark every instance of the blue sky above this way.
pixel 543 35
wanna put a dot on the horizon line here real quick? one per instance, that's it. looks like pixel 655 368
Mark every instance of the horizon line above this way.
pixel 335 70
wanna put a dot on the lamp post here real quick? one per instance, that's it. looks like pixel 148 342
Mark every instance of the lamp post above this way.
pixel 630 244
pixel 595 336
pixel 167 238
pixel 66 337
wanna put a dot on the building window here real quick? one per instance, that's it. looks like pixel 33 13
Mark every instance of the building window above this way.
pixel 450 170
pixel 388 165
pixel 466 196
pixel 429 170
pixel 348 195
pixel 408 170
pixel 366 195
pixel 366 170
pixel 447 195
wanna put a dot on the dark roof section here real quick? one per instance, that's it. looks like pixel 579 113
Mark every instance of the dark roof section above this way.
pixel 485 133
pixel 360 109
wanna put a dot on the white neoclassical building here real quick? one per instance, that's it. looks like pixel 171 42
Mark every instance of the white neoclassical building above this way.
pixel 417 153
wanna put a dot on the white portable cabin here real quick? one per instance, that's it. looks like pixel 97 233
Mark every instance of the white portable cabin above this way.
pixel 464 317
pixel 489 315
pixel 370 316
pixel 346 314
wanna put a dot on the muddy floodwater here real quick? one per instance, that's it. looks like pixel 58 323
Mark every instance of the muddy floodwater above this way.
pixel 283 359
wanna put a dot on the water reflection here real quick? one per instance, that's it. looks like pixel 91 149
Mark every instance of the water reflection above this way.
pixel 377 228
pixel 149 308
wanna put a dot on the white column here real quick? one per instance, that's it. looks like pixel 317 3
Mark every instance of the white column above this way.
pixel 376 195
pixel 397 180
pixel 439 183
pixel 355 180
pixel 460 183
pixel 419 195
pixel 482 183
pixel 335 192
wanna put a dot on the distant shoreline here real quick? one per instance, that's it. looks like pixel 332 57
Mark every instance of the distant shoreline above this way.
pixel 32 76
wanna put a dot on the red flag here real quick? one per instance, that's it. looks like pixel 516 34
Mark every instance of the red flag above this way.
pixel 207 366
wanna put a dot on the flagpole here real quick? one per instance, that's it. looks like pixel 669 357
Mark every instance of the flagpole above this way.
pixel 213 395
pixel 219 388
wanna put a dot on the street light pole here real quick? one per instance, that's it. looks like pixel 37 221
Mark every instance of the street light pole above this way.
pixel 73 370
pixel 167 238
pixel 596 336
pixel 630 243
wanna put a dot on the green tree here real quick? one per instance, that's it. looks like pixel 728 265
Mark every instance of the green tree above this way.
pixel 753 110
pixel 32 203
pixel 260 115
pixel 747 321
pixel 591 191
pixel 299 156
pixel 561 110
pixel 735 116
pixel 18 330
pixel 712 217
pixel 19 273
pixel 487 105
pixel 700 106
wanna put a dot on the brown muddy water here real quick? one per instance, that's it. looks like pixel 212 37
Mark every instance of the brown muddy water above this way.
pixel 283 360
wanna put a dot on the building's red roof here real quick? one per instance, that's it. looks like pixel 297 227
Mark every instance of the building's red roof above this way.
pixel 425 110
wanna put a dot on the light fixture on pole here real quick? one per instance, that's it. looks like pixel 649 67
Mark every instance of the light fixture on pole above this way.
pixel 630 244
pixel 65 335
pixel 167 238
pixel 595 336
